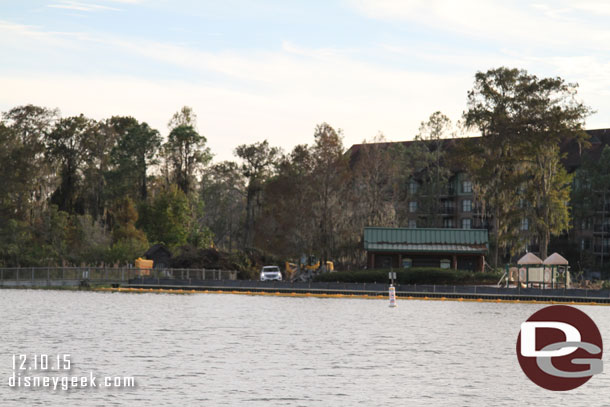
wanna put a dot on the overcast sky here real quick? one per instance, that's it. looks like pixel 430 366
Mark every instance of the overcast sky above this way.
pixel 256 69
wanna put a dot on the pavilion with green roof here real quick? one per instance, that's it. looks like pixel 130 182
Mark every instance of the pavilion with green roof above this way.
pixel 458 249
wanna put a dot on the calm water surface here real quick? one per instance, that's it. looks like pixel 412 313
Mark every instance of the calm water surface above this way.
pixel 233 350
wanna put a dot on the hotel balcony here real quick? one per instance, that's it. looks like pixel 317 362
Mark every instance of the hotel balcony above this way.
pixel 601 229
pixel 448 210
pixel 597 249
pixel 607 209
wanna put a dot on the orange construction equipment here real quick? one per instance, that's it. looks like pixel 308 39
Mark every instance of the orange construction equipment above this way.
pixel 144 265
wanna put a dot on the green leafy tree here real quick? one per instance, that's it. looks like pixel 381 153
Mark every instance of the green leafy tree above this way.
pixel 125 216
pixel 167 218
pixel 223 190
pixel 96 162
pixel 184 117
pixel 374 194
pixel 52 237
pixel 329 178
pixel 15 237
pixel 375 187
pixel 89 241
pixel 128 242
pixel 519 116
pixel 26 174
pixel 429 162
pixel 135 152
pixel 548 194
pixel 67 148
pixel 258 161
pixel 185 150
pixel 287 193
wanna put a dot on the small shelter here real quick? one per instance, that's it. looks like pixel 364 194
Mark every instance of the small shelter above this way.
pixel 160 255
pixel 531 270
pixel 520 274
pixel 458 249
pixel 529 259
pixel 555 259
pixel 558 266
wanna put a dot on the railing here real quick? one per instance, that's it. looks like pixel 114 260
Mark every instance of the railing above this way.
pixel 478 210
pixel 47 275
pixel 598 249
pixel 601 228
pixel 449 191
pixel 446 192
pixel 476 224
pixel 603 208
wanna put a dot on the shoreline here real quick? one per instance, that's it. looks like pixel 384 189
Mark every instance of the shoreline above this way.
pixel 333 294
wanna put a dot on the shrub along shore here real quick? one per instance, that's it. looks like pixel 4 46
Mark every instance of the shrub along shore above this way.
pixel 421 275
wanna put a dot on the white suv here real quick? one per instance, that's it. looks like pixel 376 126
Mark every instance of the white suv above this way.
pixel 271 273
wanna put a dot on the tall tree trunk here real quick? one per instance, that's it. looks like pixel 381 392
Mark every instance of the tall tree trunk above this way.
pixel 603 227
pixel 249 216
pixel 545 236
pixel 143 186
pixel 544 244
pixel 496 236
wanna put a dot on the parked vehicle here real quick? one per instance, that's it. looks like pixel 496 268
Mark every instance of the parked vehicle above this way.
pixel 270 273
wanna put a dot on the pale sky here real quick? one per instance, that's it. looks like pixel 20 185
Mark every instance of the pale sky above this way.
pixel 273 69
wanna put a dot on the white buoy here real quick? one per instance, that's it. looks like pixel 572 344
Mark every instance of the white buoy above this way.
pixel 392 294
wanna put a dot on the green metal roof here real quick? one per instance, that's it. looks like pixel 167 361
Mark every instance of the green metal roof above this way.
pixel 426 240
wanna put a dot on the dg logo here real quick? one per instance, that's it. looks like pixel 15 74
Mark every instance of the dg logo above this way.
pixel 560 348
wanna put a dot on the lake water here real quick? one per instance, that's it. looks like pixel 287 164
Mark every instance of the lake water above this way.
pixel 233 350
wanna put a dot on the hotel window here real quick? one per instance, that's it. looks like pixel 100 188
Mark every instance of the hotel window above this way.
pixel 448 223
pixel 412 224
pixel 466 223
pixel 525 225
pixel 413 187
pixel 413 206
pixel 466 205
pixel 467 187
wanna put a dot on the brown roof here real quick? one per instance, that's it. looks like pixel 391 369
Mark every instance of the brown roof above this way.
pixel 447 144
pixel 529 258
pixel 556 259
pixel 574 153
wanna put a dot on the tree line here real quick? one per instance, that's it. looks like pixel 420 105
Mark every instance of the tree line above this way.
pixel 80 191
